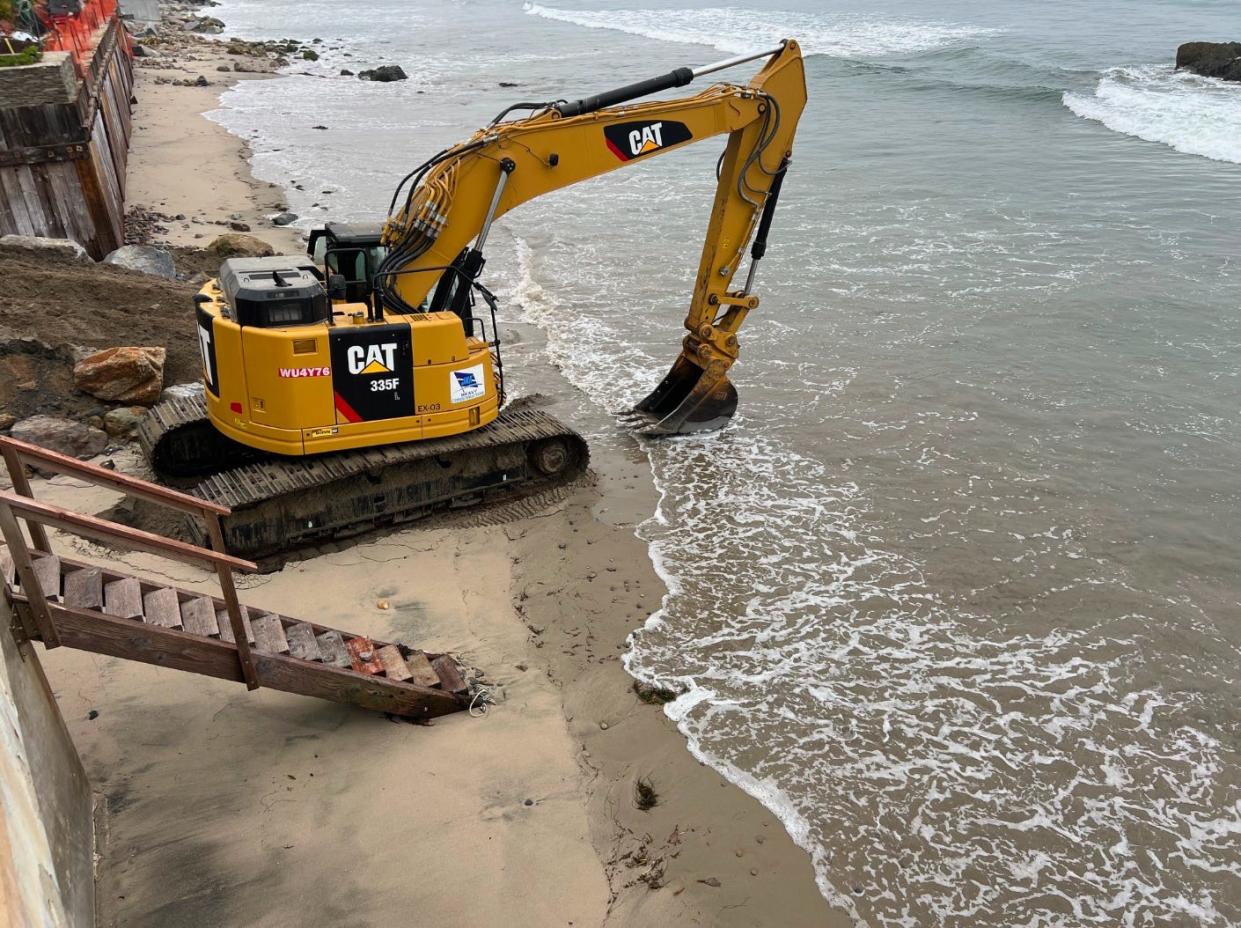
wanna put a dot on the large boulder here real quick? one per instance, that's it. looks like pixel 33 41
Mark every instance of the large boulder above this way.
pixel 1211 59
pixel 122 375
pixel 64 435
pixel 38 246
pixel 123 421
pixel 385 73
pixel 285 218
pixel 36 377
pixel 145 258
pixel 206 25
pixel 236 245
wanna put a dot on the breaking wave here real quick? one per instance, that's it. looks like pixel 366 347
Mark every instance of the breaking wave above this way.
pixel 1192 114
pixel 738 30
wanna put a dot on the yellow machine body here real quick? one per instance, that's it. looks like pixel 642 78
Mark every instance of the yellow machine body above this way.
pixel 283 390
pixel 393 369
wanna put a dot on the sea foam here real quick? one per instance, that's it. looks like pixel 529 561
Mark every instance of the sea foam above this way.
pixel 741 30
pixel 1195 115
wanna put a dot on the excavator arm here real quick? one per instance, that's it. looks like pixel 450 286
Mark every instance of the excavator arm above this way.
pixel 453 199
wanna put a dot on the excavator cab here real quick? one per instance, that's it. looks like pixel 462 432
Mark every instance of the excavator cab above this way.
pixel 352 250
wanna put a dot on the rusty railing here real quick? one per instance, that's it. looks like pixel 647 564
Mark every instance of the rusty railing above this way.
pixel 38 516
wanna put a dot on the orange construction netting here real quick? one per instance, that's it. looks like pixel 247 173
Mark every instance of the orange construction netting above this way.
pixel 79 33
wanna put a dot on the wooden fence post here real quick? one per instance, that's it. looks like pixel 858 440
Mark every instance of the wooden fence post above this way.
pixel 228 591
pixel 35 596
pixel 17 472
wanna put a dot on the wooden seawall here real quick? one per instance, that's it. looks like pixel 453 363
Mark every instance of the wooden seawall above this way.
pixel 64 142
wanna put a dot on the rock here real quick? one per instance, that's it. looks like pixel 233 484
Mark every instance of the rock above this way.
pixel 65 248
pixel 6 421
pixel 509 84
pixel 198 279
pixel 63 435
pixel 202 82
pixel 324 128
pixel 123 422
pixel 310 54
pixel 36 377
pixel 206 25
pixel 284 219
pixel 345 72
pixel 145 258
pixel 143 51
pixel 235 245
pixel 122 375
pixel 183 391
pixel 384 74
pixel 1211 59
pixel 238 226
pixel 223 67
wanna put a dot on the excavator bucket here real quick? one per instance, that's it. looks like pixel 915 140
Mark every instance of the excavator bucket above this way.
pixel 689 399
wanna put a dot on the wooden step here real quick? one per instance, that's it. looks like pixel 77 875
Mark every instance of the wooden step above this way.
pixel 269 635
pixel 162 607
pixel 362 656
pixel 225 625
pixel 302 643
pixel 123 598
pixel 449 674
pixel 84 589
pixel 332 647
pixel 198 617
pixel 393 664
pixel 420 668
pixel 47 575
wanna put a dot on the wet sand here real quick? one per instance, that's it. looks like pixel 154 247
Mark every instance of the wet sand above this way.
pixel 223 807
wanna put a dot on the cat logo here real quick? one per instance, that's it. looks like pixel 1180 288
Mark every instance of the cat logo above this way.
pixel 629 140
pixel 646 139
pixel 372 359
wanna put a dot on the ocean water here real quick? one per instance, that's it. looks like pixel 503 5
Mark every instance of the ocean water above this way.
pixel 957 593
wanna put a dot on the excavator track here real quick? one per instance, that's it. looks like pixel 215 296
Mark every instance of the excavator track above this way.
pixel 282 505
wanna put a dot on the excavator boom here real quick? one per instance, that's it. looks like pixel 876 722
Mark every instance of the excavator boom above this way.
pixel 456 196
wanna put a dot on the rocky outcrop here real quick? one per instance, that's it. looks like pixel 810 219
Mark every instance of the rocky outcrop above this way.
pixel 45 247
pixel 145 258
pixel 207 25
pixel 122 375
pixel 36 377
pixel 63 435
pixel 1211 59
pixel 124 421
pixel 285 219
pixel 384 74
pixel 235 245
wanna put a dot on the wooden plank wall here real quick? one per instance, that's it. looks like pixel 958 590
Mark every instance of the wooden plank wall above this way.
pixel 62 166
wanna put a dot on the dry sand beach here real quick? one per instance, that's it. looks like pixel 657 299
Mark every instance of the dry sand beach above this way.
pixel 222 807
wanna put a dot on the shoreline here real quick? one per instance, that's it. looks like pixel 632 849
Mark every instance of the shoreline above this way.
pixel 539 795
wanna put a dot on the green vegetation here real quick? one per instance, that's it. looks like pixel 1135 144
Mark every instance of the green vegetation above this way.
pixel 28 55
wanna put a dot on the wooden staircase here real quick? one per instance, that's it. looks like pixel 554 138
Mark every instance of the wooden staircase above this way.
pixel 61 601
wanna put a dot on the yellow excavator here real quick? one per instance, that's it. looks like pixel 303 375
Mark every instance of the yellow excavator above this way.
pixel 362 384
